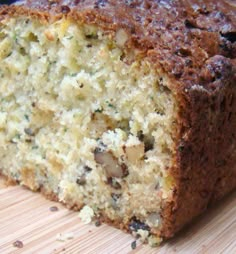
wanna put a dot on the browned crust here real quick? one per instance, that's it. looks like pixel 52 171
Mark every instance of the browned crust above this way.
pixel 7 181
pixel 205 165
pixel 179 36
pixel 195 44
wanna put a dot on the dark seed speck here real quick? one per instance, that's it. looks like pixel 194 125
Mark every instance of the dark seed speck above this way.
pixel 18 244
pixel 133 245
pixel 81 180
pixel 124 170
pixel 65 9
pixel 135 225
pixel 115 196
pixel 29 131
pixel 87 169
pixel 114 184
pixel 53 208
pixel 98 223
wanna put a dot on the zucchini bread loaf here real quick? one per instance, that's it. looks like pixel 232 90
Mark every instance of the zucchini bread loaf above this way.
pixel 125 107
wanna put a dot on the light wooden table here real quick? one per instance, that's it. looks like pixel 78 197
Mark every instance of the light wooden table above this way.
pixel 26 216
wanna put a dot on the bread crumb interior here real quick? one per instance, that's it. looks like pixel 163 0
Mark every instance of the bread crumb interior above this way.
pixel 82 119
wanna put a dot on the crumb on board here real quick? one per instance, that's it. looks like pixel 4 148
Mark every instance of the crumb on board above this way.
pixel 154 241
pixel 53 209
pixel 62 237
pixel 18 244
pixel 133 245
pixel 98 223
pixel 86 214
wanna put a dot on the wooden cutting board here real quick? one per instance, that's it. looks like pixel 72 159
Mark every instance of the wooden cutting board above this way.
pixel 26 216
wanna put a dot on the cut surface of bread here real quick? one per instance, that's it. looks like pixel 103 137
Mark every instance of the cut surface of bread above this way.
pixel 94 118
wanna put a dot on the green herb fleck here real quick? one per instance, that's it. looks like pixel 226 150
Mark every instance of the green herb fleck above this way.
pixel 53 62
pixel 80 97
pixel 26 117
pixel 17 136
pixel 110 105
pixel 99 110
pixel 70 37
pixel 15 37
pixel 35 147
pixel 73 74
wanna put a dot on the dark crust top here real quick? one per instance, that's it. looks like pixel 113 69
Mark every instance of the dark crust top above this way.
pixel 181 36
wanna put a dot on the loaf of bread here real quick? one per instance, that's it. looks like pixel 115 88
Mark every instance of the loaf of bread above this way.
pixel 124 107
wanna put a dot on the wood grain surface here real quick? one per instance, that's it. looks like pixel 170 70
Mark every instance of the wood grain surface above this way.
pixel 26 216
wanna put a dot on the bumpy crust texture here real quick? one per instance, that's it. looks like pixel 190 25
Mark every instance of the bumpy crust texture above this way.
pixel 194 43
